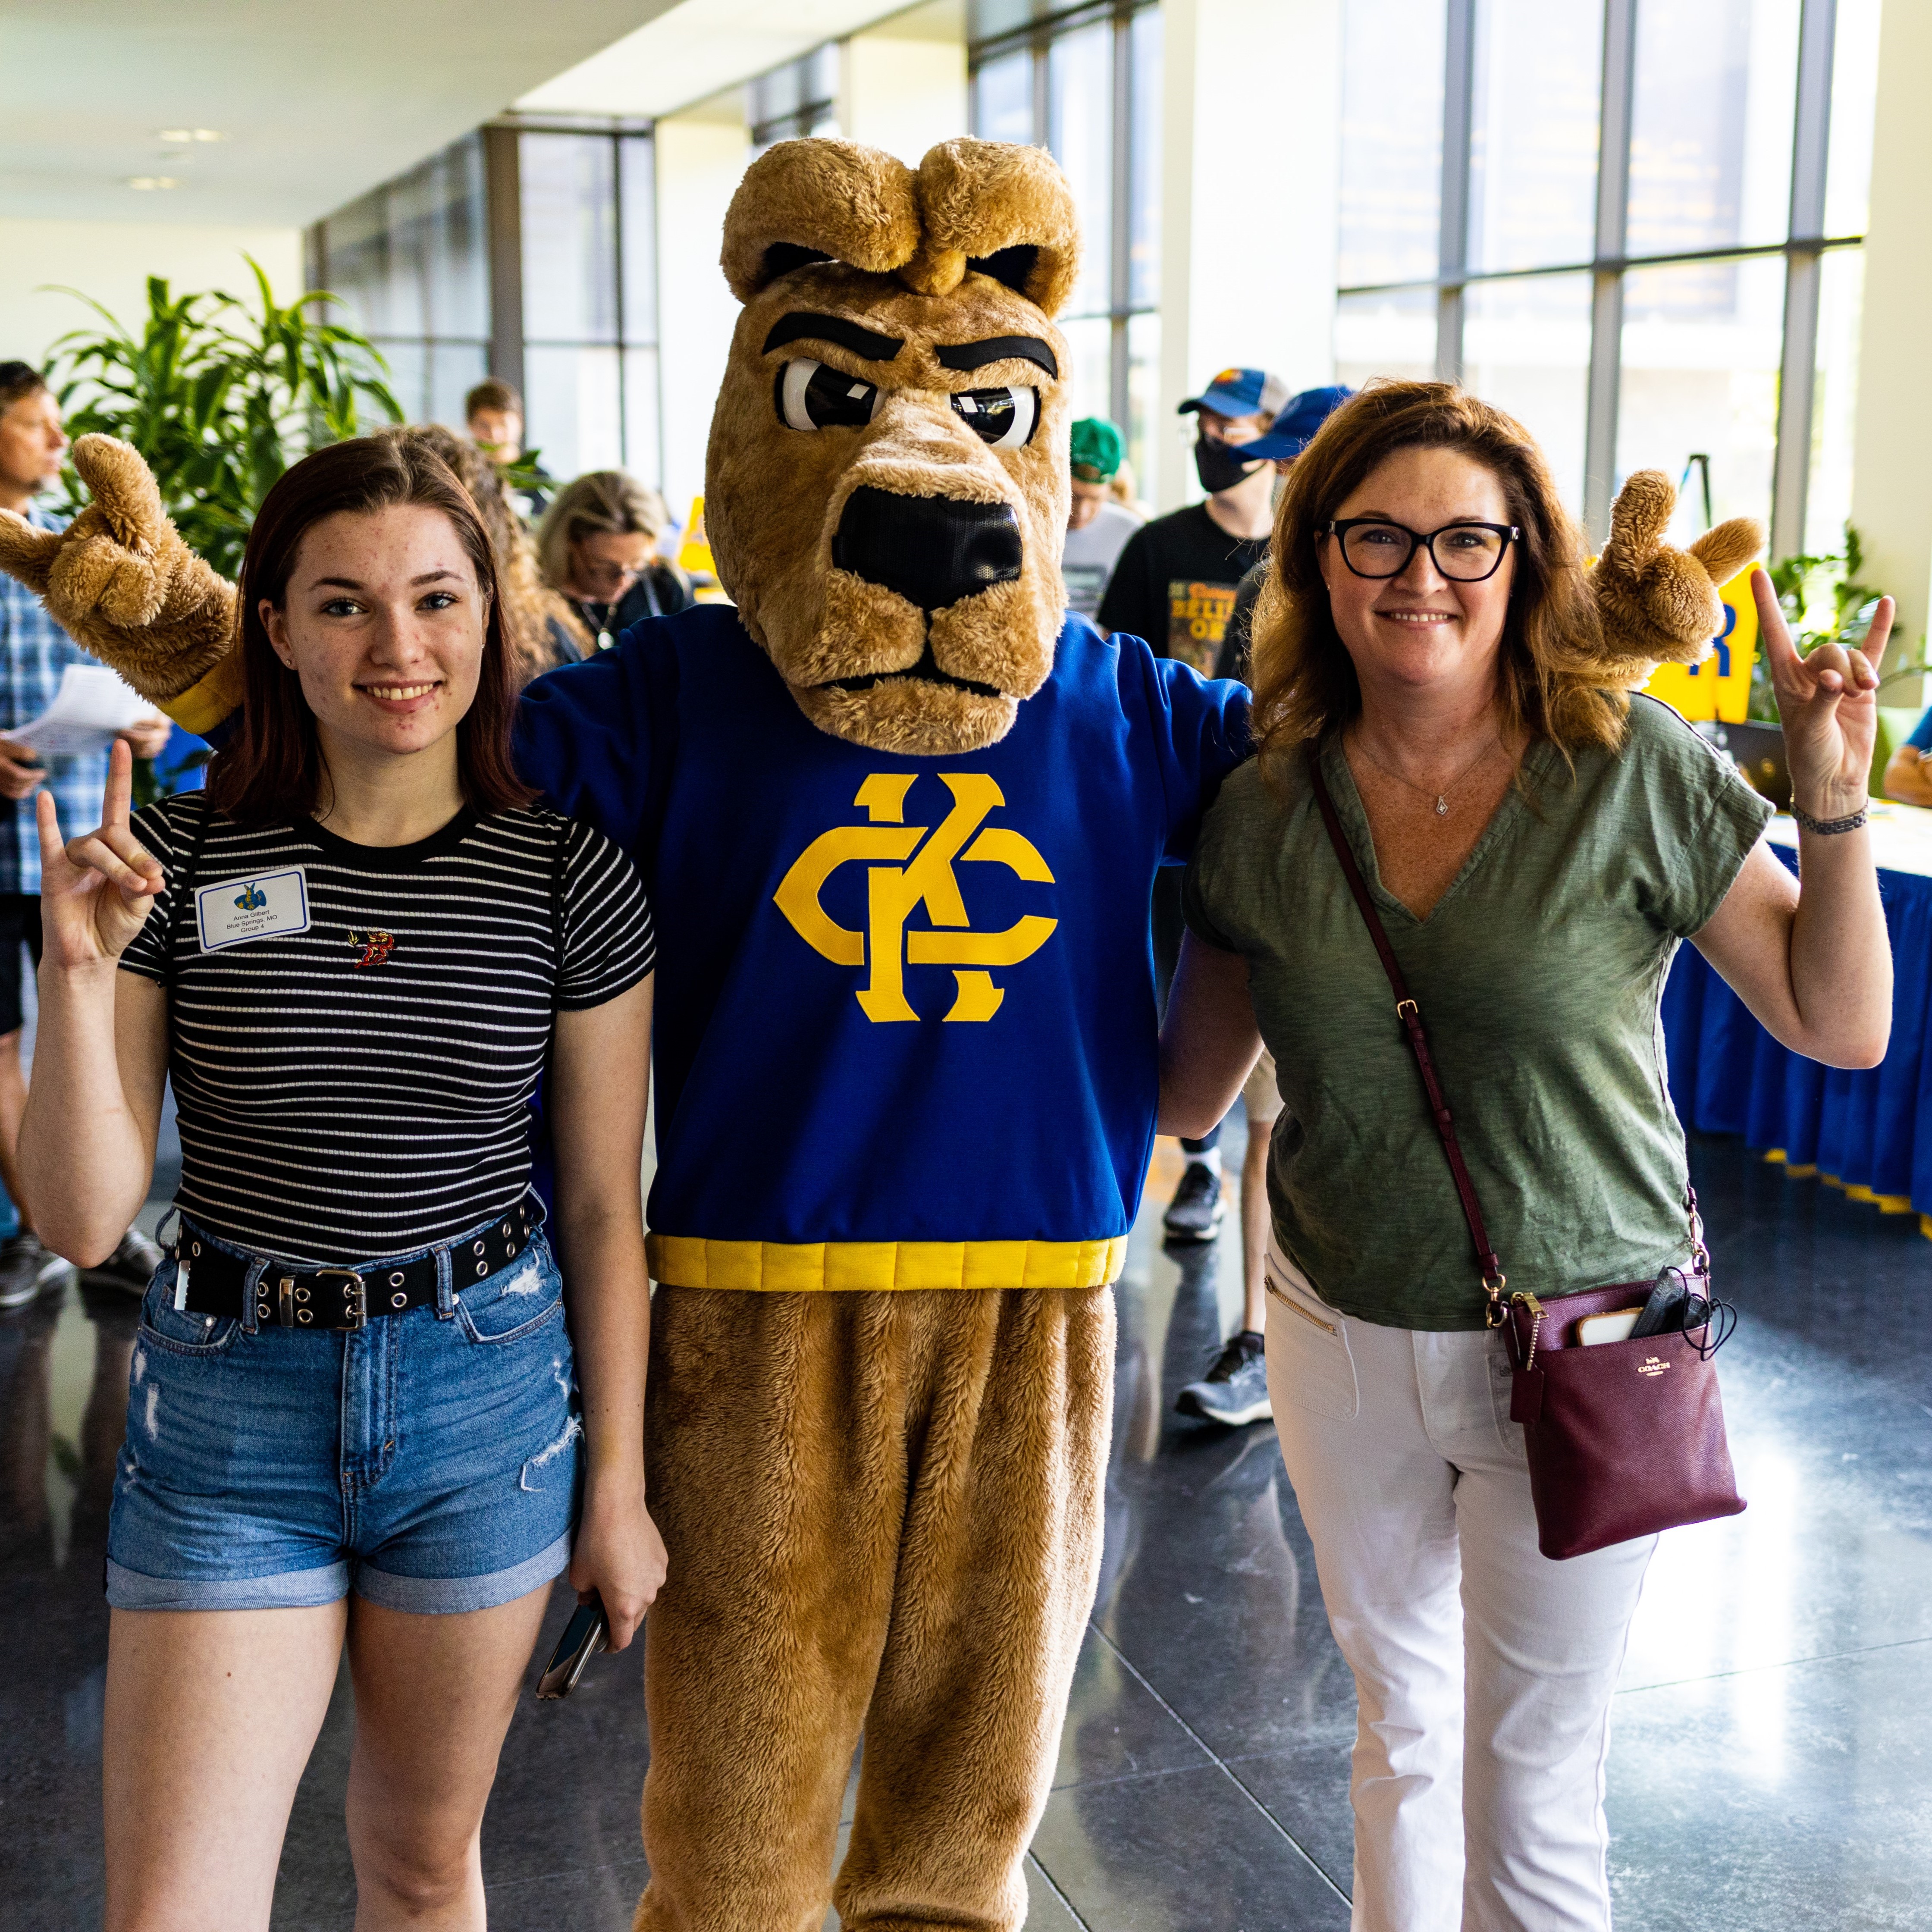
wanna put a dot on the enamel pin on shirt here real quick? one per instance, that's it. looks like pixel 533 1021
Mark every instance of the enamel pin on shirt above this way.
pixel 376 947
pixel 264 906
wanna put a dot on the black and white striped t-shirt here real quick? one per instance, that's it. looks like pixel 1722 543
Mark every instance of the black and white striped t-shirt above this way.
pixel 359 1089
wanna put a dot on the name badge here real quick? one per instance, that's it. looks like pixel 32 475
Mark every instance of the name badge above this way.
pixel 239 910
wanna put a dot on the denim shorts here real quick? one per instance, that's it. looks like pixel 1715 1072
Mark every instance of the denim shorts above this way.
pixel 430 1463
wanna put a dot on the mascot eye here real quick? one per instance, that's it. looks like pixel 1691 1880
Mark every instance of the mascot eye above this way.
pixel 811 396
pixel 1004 418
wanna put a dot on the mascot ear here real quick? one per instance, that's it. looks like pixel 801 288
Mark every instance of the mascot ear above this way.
pixel 819 200
pixel 995 209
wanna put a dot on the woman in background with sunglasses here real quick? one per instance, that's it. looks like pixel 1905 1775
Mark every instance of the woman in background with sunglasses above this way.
pixel 1536 843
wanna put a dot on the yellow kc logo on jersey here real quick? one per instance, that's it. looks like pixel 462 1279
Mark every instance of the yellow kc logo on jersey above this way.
pixel 902 875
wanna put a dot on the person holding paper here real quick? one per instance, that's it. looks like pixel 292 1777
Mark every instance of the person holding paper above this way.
pixel 34 652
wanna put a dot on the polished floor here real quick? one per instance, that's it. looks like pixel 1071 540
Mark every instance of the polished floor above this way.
pixel 1772 1761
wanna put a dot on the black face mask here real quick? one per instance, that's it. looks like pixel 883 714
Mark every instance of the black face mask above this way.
pixel 1220 466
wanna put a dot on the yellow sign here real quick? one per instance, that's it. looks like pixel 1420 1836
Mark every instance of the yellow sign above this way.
pixel 925 876
pixel 695 559
pixel 1719 687
pixel 693 553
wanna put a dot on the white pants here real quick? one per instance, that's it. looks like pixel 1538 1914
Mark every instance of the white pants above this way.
pixel 1483 1671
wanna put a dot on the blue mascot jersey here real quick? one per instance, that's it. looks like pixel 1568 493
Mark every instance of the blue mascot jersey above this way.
pixel 905 1030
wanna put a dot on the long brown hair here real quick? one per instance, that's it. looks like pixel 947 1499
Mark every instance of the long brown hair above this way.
pixel 1554 677
pixel 272 767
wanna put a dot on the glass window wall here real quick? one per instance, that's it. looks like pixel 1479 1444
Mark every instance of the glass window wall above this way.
pixel 1391 172
pixel 799 98
pixel 1526 348
pixel 1646 247
pixel 408 265
pixel 1537 80
pixel 1084 81
pixel 411 263
pixel 589 301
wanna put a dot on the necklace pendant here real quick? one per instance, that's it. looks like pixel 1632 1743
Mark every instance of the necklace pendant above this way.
pixel 1441 806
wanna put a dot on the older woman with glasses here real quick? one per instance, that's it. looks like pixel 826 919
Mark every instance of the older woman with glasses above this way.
pixel 597 544
pixel 1536 842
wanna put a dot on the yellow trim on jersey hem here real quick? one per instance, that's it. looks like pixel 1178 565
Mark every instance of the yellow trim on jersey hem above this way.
pixel 687 1261
pixel 203 706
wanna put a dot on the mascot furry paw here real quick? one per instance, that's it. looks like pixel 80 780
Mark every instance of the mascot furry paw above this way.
pixel 121 582
pixel 900 818
pixel 1661 605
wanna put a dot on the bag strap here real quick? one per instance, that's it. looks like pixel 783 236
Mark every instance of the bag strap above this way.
pixel 1494 1280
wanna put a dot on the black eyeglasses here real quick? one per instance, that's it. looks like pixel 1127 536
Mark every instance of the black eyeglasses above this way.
pixel 1373 547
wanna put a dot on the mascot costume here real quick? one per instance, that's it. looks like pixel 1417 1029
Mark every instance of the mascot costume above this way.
pixel 900 816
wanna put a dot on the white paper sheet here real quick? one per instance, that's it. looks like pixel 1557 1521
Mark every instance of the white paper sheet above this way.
pixel 91 705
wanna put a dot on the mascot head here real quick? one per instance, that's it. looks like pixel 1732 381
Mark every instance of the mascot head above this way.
pixel 886 490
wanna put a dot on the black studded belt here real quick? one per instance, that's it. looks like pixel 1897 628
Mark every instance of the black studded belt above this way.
pixel 292 1295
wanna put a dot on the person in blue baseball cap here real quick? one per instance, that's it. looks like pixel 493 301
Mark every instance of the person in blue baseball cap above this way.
pixel 1294 430
pixel 1174 584
pixel 1282 441
pixel 1234 1392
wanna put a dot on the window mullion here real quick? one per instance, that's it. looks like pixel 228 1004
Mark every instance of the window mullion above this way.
pixel 617 296
pixel 1606 324
pixel 1459 91
pixel 1811 149
pixel 503 197
pixel 1120 266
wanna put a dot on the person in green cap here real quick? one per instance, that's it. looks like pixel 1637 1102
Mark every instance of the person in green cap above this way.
pixel 1097 526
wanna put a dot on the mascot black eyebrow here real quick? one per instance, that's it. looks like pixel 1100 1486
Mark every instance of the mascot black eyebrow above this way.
pixel 900 817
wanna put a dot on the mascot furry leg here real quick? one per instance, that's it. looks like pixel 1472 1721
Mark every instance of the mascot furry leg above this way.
pixel 883 1512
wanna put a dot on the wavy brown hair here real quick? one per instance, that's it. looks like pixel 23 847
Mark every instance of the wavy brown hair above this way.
pixel 1554 677
pixel 271 768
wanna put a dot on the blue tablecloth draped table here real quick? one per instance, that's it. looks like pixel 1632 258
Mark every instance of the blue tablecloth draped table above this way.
pixel 1869 1132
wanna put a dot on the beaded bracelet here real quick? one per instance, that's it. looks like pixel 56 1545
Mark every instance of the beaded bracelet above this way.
pixel 1828 825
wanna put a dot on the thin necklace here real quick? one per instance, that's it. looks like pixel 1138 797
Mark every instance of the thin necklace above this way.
pixel 602 622
pixel 1441 797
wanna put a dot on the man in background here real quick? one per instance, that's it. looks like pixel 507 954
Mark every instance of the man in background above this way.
pixel 33 651
pixel 1097 526
pixel 493 416
pixel 1175 585
pixel 1234 1391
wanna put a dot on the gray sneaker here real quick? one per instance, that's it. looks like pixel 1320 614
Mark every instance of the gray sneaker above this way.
pixel 25 1268
pixel 1235 1391
pixel 1195 1213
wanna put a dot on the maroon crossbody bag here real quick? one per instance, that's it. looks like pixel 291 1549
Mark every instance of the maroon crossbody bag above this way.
pixel 1625 1439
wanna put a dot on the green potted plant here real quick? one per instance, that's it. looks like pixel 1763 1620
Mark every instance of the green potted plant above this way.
pixel 219 398
pixel 1824 602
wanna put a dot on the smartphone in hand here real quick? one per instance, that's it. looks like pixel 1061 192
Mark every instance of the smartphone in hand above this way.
pixel 587 1633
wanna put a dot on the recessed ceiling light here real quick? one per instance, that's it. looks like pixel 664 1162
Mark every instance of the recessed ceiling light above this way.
pixel 152 181
pixel 177 134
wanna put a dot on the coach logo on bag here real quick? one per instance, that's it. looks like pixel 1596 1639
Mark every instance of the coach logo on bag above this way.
pixel 1652 1365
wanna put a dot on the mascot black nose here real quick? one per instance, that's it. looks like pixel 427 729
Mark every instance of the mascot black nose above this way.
pixel 933 550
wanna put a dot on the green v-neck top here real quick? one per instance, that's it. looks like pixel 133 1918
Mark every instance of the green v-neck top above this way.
pixel 1539 975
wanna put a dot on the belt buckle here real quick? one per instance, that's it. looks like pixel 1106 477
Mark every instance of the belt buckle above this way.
pixel 358 1299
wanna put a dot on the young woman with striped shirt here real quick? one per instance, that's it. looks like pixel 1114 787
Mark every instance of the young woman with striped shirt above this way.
pixel 363 1408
